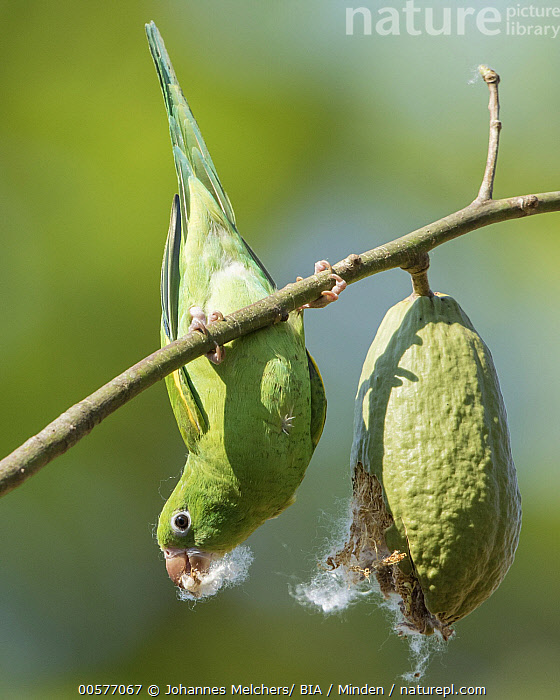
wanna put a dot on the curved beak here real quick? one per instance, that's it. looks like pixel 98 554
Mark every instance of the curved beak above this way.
pixel 186 567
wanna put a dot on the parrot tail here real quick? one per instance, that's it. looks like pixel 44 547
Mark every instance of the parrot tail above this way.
pixel 192 158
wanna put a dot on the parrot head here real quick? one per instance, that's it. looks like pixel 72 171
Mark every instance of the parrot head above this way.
pixel 203 519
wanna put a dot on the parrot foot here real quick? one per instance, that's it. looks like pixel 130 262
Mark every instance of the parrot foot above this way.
pixel 200 323
pixel 328 295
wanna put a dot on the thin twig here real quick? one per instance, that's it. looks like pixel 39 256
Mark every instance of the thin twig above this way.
pixel 491 78
pixel 81 418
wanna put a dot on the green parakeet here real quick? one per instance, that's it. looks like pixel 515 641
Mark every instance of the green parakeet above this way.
pixel 252 421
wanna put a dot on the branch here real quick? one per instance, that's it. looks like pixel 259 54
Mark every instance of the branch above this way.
pixel 409 252
pixel 492 79
pixel 80 419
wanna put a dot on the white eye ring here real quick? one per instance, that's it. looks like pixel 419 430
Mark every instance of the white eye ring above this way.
pixel 181 522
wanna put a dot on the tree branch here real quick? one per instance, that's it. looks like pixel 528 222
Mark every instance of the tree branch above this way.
pixel 409 252
pixel 80 419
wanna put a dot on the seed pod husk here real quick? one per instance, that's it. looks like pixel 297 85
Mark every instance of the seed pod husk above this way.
pixel 436 506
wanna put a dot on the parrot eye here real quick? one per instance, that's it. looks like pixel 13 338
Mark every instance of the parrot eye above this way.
pixel 181 522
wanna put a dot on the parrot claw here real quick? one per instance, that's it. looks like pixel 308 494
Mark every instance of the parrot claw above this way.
pixel 322 265
pixel 200 323
pixel 328 295
pixel 217 355
pixel 215 316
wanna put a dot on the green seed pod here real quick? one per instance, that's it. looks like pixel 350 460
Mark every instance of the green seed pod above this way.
pixel 437 510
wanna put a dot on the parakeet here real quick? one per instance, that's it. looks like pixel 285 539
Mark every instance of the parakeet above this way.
pixel 252 421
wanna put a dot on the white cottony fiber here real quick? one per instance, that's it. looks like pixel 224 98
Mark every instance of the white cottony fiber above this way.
pixel 331 591
pixel 421 649
pixel 229 570
pixel 334 591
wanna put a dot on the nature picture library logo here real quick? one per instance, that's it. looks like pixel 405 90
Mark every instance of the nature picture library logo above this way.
pixel 416 18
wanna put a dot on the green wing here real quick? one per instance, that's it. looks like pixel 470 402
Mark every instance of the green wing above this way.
pixel 318 400
pixel 170 276
pixel 185 401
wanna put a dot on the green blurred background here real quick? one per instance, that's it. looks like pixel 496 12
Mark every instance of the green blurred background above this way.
pixel 327 144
